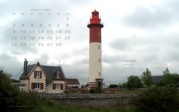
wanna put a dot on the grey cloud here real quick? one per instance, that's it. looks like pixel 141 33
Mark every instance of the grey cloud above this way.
pixel 145 18
pixel 157 17
pixel 21 50
pixel 81 51
pixel 148 52
pixel 173 5
pixel 117 59
pixel 124 43
pixel 15 67
pixel 111 59
pixel 171 55
pixel 77 70
pixel 155 43
pixel 116 73
pixel 11 65
pixel 42 59
pixel 119 68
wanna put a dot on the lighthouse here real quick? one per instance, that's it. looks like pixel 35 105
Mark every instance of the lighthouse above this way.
pixel 95 51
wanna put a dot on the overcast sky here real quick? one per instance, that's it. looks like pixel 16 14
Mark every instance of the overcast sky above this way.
pixel 137 34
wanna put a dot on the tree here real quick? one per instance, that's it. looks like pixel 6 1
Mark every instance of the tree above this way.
pixel 123 85
pixel 11 97
pixel 134 82
pixel 8 92
pixel 146 78
pixel 176 79
pixel 166 71
pixel 170 79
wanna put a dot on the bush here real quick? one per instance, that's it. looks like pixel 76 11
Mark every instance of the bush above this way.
pixel 95 90
pixel 113 86
pixel 124 85
pixel 30 98
pixel 8 92
pixel 70 91
pixel 158 99
pixel 12 99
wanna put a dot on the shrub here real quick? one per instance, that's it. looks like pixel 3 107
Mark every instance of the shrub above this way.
pixel 113 86
pixel 8 92
pixel 158 99
pixel 70 91
pixel 30 98
pixel 12 99
pixel 95 90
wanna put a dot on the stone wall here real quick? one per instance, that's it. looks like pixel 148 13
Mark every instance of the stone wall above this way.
pixel 91 100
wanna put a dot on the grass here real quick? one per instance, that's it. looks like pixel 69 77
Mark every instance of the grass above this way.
pixel 124 90
pixel 50 106
pixel 53 106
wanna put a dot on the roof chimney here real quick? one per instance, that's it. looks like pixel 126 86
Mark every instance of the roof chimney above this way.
pixel 25 66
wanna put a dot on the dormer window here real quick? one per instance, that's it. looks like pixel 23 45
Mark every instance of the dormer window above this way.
pixel 37 74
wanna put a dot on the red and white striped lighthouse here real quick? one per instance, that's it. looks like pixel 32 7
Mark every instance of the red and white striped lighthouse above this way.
pixel 95 51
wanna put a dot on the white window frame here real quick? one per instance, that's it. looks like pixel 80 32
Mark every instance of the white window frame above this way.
pixel 58 87
pixel 37 86
pixel 37 74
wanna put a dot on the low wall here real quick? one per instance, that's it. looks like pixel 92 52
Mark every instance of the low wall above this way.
pixel 91 100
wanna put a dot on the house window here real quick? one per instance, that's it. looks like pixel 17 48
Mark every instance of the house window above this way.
pixel 99 74
pixel 37 86
pixel 37 74
pixel 58 87
pixel 99 47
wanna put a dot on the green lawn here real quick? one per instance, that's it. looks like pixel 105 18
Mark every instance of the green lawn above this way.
pixel 53 106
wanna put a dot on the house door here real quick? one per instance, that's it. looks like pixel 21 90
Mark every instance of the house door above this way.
pixel 99 85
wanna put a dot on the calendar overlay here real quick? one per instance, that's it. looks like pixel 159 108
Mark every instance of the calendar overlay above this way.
pixel 40 28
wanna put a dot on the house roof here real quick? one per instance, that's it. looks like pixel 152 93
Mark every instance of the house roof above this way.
pixel 157 79
pixel 49 71
pixel 72 81
pixel 15 81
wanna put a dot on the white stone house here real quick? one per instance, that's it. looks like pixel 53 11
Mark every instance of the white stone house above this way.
pixel 42 78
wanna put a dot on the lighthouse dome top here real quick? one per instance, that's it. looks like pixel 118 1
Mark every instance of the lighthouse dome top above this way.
pixel 95 11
